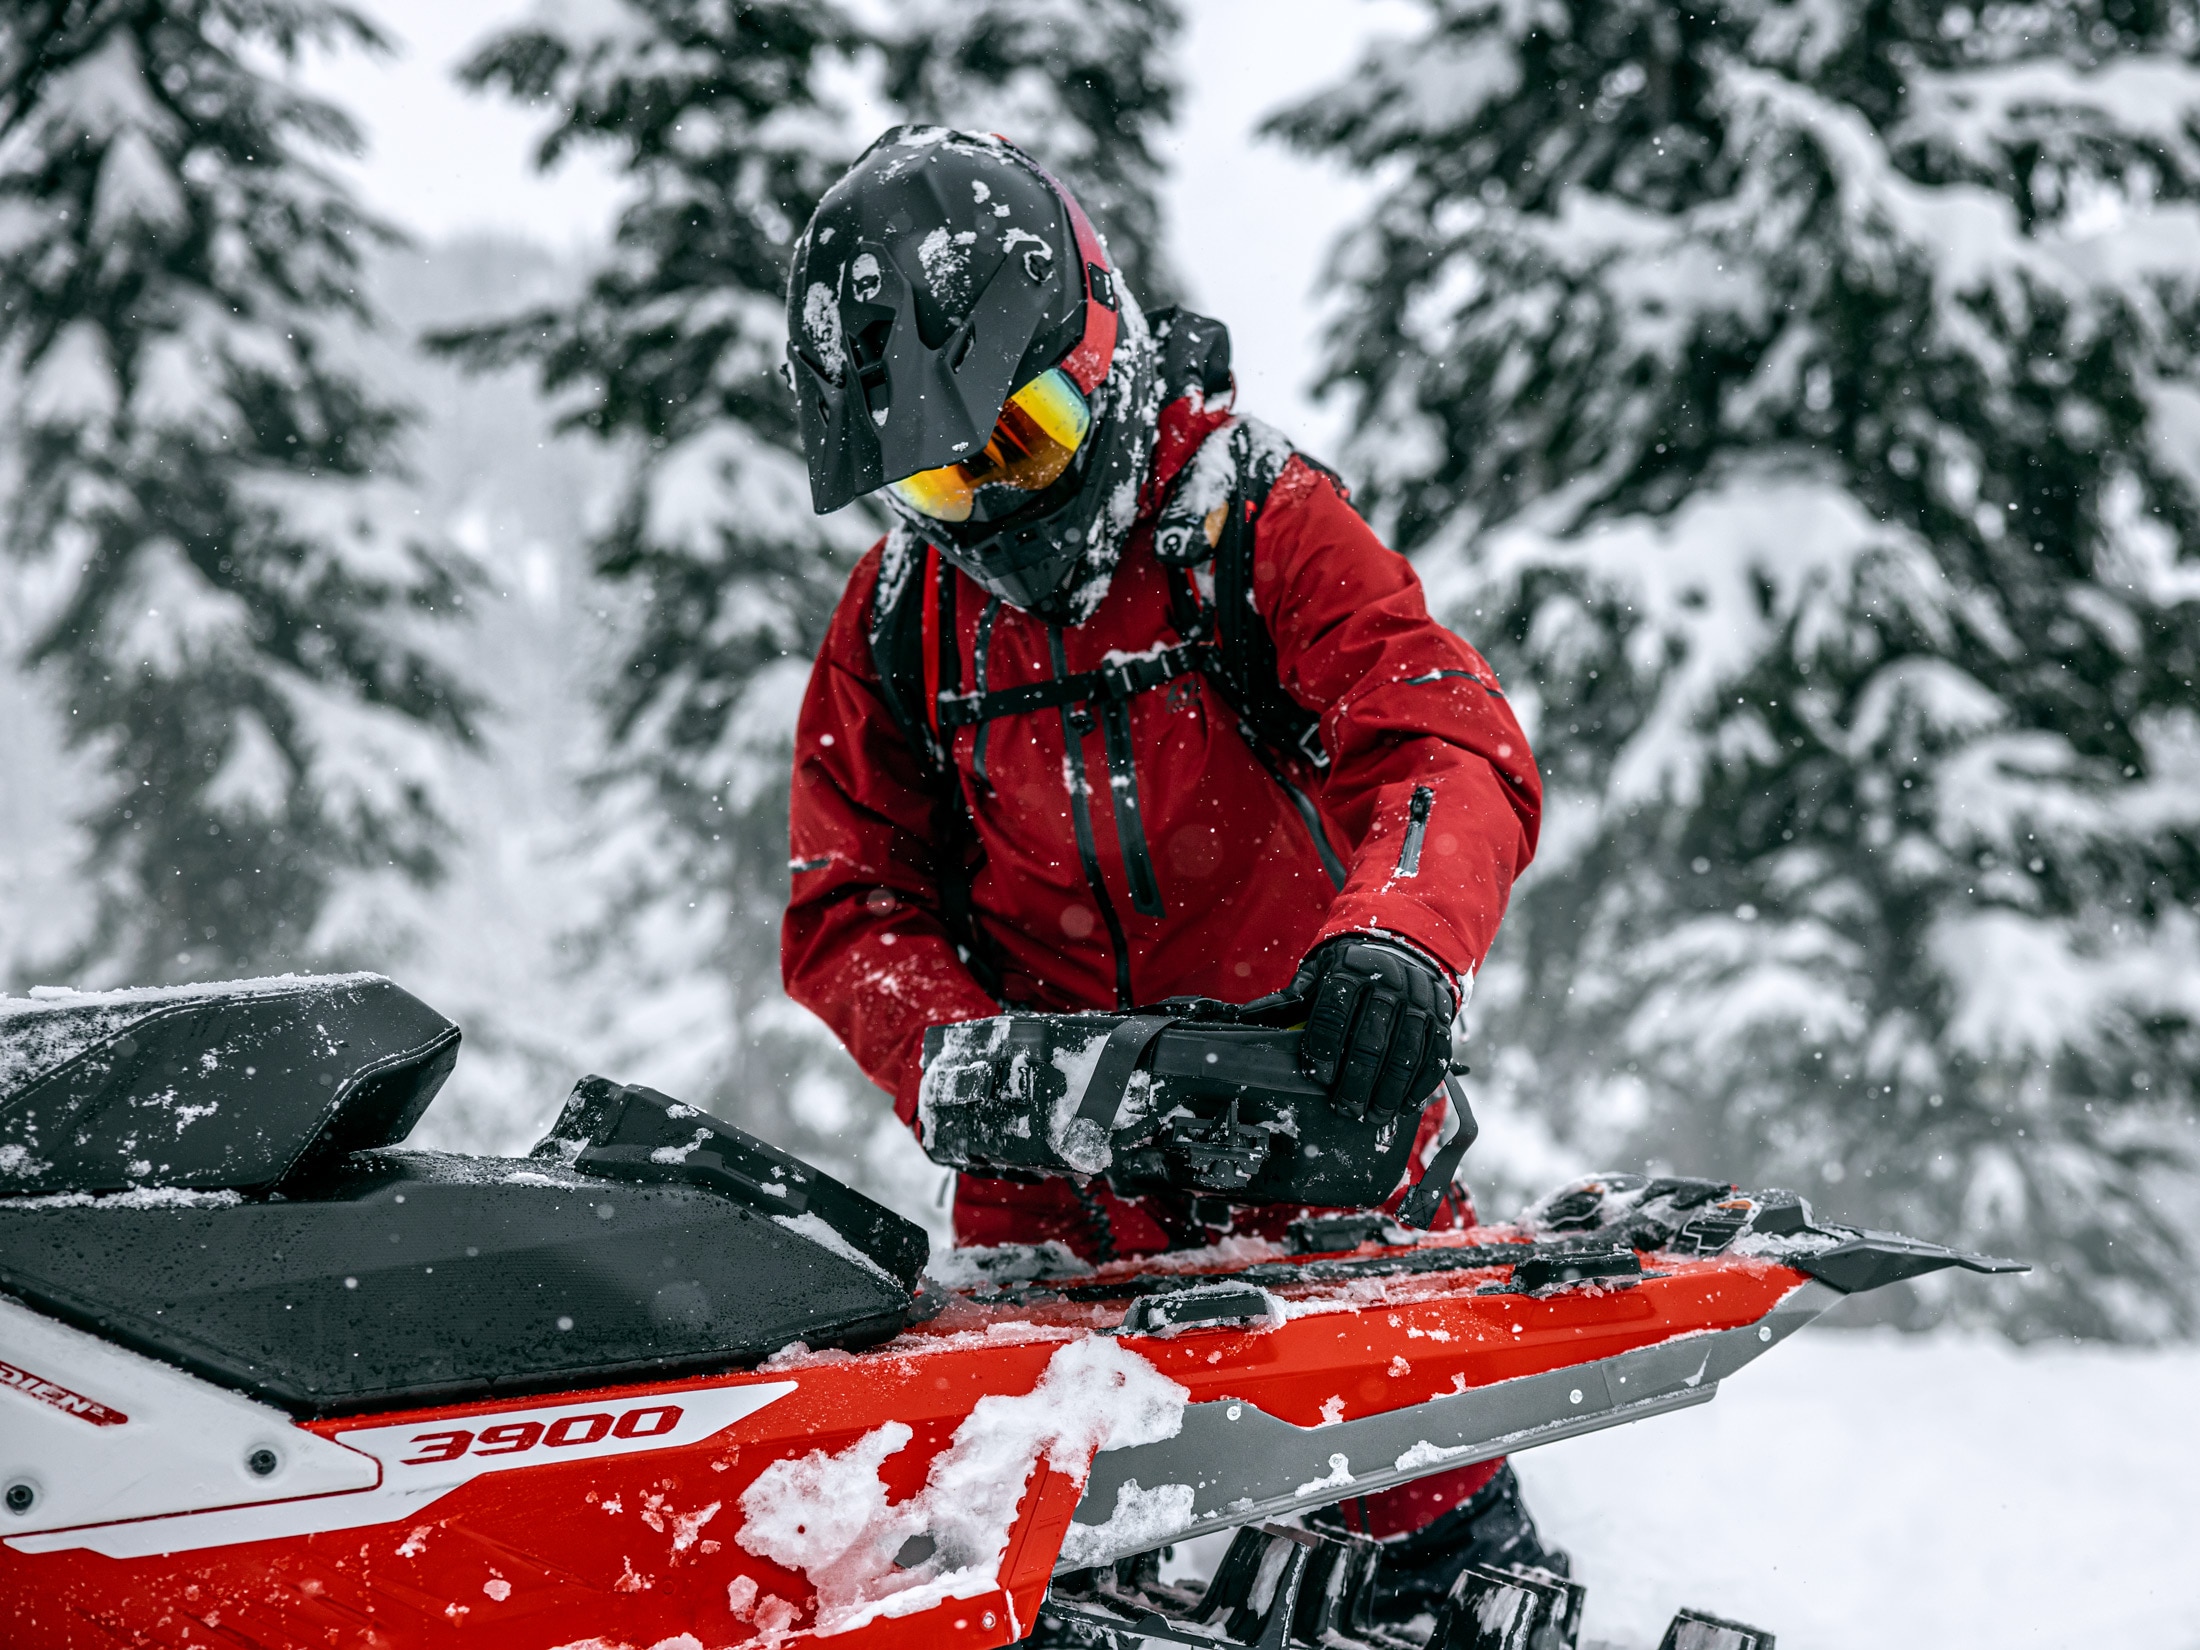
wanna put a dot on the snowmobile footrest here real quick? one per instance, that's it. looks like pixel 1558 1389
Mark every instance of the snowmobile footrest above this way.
pixel 1693 1630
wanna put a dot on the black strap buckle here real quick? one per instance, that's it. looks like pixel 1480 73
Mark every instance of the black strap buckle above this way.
pixel 1126 678
pixel 1119 679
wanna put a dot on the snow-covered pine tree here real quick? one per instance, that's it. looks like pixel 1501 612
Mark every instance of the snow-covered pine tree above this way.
pixel 731 122
pixel 1800 402
pixel 222 614
pixel 721 576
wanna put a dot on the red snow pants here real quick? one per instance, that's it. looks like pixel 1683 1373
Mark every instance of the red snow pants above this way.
pixel 1097 1226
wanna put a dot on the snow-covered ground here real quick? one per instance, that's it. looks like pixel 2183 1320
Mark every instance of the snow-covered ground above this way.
pixel 1867 1490
pixel 1864 1490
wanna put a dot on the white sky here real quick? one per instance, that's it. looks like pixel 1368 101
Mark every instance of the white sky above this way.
pixel 1251 223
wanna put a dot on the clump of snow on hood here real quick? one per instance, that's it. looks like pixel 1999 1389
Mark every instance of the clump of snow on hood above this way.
pixel 828 1516
pixel 1143 1519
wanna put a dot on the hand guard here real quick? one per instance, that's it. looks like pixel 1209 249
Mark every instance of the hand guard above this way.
pixel 1378 1026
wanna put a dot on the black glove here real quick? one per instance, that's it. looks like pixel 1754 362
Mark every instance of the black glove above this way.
pixel 1378 1025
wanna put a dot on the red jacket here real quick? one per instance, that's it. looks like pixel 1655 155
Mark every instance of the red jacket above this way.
pixel 1404 704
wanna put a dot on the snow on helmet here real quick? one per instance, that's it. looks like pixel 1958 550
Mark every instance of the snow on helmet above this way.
pixel 956 335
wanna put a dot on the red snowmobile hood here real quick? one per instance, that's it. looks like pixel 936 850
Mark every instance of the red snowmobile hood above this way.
pixel 921 1494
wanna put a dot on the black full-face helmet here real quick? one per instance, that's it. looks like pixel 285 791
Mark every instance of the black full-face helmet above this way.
pixel 956 336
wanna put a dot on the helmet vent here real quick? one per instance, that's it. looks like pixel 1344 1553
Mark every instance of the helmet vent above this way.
pixel 870 353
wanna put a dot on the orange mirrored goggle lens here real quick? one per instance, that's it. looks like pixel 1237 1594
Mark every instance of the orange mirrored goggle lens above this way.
pixel 1038 433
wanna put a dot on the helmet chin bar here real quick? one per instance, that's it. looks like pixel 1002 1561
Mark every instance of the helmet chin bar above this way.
pixel 1022 562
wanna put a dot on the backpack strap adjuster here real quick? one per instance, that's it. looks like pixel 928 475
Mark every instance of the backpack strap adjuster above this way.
pixel 1113 682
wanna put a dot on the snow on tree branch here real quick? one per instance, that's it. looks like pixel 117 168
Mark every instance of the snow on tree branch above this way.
pixel 1797 402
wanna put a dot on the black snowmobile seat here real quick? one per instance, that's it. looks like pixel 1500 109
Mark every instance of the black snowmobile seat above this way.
pixel 240 1086
pixel 295 1255
pixel 420 1277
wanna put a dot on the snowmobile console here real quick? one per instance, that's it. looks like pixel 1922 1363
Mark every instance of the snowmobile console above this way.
pixel 1195 1096
pixel 641 1239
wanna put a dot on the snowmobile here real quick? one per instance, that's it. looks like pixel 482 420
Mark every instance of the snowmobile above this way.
pixel 268 1379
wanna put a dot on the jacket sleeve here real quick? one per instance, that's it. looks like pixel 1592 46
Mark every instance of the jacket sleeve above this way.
pixel 1407 708
pixel 864 945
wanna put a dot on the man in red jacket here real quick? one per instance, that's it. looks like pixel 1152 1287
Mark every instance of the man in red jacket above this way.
pixel 1094 801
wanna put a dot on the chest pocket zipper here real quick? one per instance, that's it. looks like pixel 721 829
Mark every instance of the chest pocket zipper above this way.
pixel 1417 812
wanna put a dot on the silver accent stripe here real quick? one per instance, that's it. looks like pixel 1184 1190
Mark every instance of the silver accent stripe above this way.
pixel 1255 1466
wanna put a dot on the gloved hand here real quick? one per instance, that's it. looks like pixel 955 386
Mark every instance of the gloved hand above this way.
pixel 1378 1025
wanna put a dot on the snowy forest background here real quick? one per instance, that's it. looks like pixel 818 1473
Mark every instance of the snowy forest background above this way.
pixel 1798 401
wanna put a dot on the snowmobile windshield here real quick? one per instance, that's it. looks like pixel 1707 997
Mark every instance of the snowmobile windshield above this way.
pixel 1036 437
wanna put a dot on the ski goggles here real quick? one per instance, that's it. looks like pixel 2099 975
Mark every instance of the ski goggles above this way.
pixel 1033 441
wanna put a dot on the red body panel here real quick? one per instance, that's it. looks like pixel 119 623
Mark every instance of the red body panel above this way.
pixel 641 1550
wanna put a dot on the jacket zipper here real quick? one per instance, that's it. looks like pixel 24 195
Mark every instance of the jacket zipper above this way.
pixel 1076 723
pixel 1311 818
pixel 1417 812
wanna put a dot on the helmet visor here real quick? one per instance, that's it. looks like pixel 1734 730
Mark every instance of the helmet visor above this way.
pixel 1033 441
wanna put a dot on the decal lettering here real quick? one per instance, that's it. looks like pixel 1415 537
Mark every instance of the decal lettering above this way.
pixel 420 1467
pixel 508 1439
pixel 566 1432
pixel 56 1396
pixel 441 1446
pixel 662 1419
pixel 576 1429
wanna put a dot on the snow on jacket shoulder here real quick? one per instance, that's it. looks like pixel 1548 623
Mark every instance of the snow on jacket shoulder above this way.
pixel 1129 856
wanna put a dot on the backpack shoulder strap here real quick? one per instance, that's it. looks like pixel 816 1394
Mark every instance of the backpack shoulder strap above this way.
pixel 914 648
pixel 1211 517
pixel 906 582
